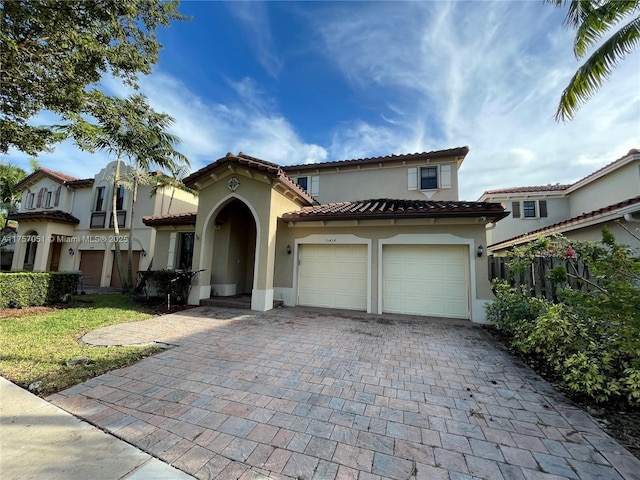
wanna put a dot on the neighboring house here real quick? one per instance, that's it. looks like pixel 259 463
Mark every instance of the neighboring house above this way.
pixel 384 234
pixel 608 197
pixel 65 223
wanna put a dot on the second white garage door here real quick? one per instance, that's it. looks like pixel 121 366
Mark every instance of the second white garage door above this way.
pixel 333 276
pixel 426 280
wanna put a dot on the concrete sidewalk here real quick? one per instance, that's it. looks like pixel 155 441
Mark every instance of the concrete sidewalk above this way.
pixel 39 440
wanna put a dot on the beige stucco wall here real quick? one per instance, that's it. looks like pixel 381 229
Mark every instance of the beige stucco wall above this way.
pixel 617 186
pixel 80 202
pixel 373 181
pixel 509 227
pixel 266 205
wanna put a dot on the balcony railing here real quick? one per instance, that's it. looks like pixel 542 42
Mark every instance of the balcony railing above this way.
pixel 122 218
pixel 97 219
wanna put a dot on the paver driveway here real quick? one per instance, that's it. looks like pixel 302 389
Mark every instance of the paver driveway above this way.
pixel 304 393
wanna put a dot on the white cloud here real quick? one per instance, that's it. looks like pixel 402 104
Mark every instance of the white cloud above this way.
pixel 487 75
pixel 254 18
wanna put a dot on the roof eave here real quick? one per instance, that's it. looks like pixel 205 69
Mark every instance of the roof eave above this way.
pixel 494 216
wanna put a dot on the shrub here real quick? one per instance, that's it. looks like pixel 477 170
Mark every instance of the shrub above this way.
pixel 590 338
pixel 176 283
pixel 27 289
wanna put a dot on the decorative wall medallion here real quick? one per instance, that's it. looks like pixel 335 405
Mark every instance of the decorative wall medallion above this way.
pixel 233 184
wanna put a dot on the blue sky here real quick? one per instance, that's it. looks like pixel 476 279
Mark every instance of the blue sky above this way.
pixel 299 82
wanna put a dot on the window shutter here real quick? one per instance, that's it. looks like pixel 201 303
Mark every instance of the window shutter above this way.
pixel 40 195
pixel 515 208
pixel 445 176
pixel 412 183
pixel 542 205
pixel 315 186
pixel 56 202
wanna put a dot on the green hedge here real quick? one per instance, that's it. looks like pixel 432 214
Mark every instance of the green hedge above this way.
pixel 26 289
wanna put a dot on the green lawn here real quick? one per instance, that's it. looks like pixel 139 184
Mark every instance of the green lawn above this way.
pixel 38 347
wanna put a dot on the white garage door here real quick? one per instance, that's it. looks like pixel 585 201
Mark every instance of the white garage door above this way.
pixel 426 280
pixel 333 276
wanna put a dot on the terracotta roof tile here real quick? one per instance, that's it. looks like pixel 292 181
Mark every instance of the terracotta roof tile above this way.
pixel 84 182
pixel 389 208
pixel 58 176
pixel 542 188
pixel 452 152
pixel 560 187
pixel 47 215
pixel 577 219
pixel 185 218
pixel 269 168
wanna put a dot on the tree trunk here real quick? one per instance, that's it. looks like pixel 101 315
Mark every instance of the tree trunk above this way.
pixel 134 196
pixel 116 228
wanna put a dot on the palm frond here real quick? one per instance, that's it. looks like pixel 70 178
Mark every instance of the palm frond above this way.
pixel 577 10
pixel 599 21
pixel 589 77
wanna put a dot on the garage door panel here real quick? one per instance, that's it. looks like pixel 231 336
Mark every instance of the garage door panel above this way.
pixel 426 280
pixel 333 276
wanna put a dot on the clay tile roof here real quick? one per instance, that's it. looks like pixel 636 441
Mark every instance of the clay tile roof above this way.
pixel 451 152
pixel 47 215
pixel 84 182
pixel 185 218
pixel 58 176
pixel 389 208
pixel 543 188
pixel 574 220
pixel 269 168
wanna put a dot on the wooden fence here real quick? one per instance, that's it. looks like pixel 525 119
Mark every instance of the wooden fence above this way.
pixel 536 277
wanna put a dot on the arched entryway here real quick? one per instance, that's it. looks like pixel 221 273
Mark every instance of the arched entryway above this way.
pixel 234 250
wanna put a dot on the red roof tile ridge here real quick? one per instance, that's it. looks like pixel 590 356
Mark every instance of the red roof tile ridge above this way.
pixel 403 156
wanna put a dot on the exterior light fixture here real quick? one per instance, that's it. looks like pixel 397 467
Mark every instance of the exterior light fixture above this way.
pixel 71 252
pixel 480 250
pixel 143 252
pixel 288 249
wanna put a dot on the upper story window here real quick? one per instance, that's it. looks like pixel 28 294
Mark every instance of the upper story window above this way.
pixel 530 209
pixel 47 199
pixel 100 199
pixel 120 198
pixel 431 177
pixel 30 200
pixel 310 183
pixel 303 182
pixel 428 178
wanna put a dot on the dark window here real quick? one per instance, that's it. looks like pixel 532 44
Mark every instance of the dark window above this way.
pixel 122 217
pixel 30 200
pixel 428 178
pixel 529 209
pixel 542 205
pixel 100 199
pixel 303 182
pixel 185 255
pixel 47 200
pixel 97 219
pixel 120 198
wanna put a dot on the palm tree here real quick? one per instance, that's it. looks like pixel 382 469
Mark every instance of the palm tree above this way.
pixel 172 181
pixel 157 150
pixel 592 20
pixel 127 128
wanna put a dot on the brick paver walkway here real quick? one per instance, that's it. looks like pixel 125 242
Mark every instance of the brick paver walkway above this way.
pixel 311 394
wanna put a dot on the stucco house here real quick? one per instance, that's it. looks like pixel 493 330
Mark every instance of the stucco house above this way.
pixel 384 234
pixel 66 223
pixel 607 197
